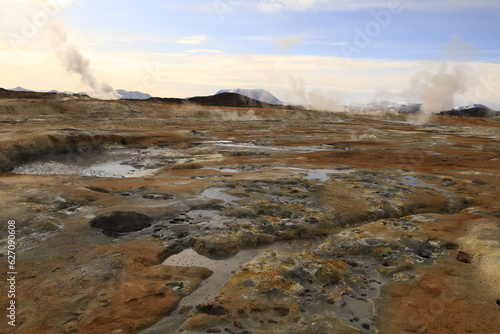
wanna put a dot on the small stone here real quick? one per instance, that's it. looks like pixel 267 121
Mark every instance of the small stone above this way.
pixel 237 323
pixel 464 257
pixel 185 309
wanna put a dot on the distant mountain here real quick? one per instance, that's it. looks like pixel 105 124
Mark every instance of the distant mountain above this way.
pixel 393 106
pixel 470 106
pixel 53 91
pixel 128 95
pixel 20 89
pixel 133 95
pixel 59 92
pixel 402 107
pixel 228 100
pixel 472 110
pixel 261 95
pixel 475 110
pixel 217 100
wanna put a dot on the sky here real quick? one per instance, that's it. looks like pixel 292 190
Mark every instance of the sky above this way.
pixel 339 50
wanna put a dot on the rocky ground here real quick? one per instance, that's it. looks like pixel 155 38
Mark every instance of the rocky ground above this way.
pixel 334 223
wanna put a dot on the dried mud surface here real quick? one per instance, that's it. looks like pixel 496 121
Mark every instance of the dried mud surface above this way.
pixel 354 223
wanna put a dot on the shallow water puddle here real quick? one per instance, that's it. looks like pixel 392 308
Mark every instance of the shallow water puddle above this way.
pixel 323 174
pixel 218 193
pixel 318 174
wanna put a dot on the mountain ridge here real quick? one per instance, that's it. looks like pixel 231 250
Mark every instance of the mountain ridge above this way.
pixel 255 94
pixel 227 98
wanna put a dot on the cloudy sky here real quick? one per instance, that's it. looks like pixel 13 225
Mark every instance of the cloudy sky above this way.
pixel 345 51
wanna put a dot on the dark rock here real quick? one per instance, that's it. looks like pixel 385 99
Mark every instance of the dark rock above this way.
pixel 158 197
pixel 212 309
pixel 498 302
pixel 117 222
pixel 451 245
pixel 198 134
pixel 424 253
pixel 464 257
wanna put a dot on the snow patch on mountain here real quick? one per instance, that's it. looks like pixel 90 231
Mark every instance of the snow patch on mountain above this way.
pixel 256 94
pixel 470 106
pixel 133 95
pixel 20 89
pixel 403 107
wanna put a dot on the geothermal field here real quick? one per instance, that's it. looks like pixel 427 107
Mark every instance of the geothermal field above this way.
pixel 225 215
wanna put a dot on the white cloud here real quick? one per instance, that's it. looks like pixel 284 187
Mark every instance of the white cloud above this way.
pixel 339 43
pixel 273 6
pixel 197 39
pixel 204 73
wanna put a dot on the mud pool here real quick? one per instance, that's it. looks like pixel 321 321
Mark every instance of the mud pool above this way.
pixel 114 163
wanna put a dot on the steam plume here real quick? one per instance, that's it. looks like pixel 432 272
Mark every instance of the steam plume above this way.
pixel 74 62
pixel 438 89
pixel 438 86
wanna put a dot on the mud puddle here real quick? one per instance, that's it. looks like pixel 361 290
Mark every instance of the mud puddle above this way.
pixel 218 193
pixel 317 174
pixel 112 169
pixel 112 163
pixel 210 287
